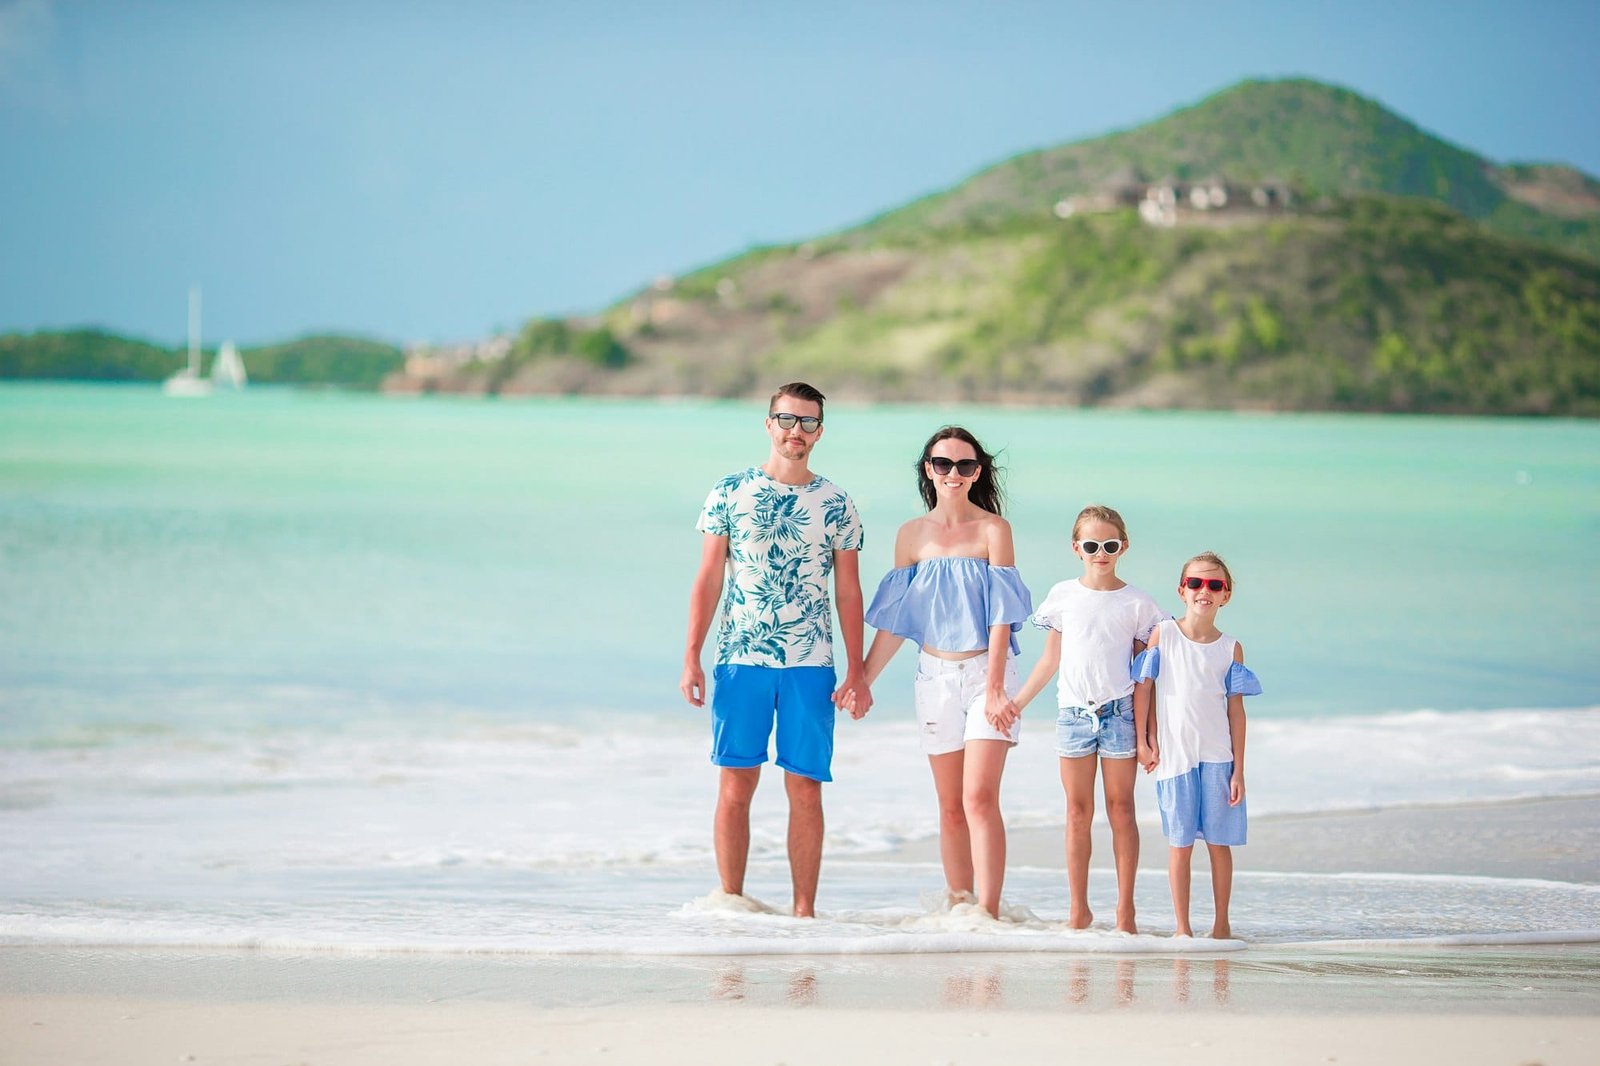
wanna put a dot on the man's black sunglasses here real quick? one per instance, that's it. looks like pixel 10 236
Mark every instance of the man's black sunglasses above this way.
pixel 785 420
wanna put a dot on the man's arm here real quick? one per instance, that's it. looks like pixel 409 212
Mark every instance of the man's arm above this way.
pixel 703 597
pixel 847 597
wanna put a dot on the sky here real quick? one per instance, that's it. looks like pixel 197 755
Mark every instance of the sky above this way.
pixel 426 171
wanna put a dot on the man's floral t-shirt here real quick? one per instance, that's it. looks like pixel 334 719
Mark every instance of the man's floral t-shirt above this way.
pixel 781 540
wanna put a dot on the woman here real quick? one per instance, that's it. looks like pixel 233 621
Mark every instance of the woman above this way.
pixel 954 590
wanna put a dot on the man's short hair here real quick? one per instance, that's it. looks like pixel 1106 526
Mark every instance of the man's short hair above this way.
pixel 800 391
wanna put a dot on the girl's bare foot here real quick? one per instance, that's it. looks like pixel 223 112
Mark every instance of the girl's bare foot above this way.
pixel 1127 924
pixel 1221 931
pixel 1080 917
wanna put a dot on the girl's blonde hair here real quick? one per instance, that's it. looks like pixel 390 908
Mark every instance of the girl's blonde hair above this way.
pixel 1096 512
pixel 1210 559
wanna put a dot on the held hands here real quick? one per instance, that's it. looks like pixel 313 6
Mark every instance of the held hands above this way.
pixel 854 696
pixel 1001 711
pixel 1149 756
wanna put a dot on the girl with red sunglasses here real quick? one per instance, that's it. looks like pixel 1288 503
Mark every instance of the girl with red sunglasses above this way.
pixel 1189 711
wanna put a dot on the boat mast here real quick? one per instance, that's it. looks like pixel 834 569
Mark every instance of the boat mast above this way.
pixel 194 331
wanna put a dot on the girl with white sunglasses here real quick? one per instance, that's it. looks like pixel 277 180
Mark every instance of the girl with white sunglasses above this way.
pixel 1094 626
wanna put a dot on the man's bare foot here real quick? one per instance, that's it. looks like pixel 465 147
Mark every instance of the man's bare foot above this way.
pixel 804 911
pixel 1080 917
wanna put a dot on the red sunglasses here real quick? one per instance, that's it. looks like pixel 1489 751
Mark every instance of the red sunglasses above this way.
pixel 1215 584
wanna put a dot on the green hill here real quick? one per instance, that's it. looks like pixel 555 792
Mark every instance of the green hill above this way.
pixel 97 355
pixel 1321 139
pixel 1409 275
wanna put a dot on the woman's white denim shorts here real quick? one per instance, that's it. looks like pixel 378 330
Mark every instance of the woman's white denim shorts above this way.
pixel 1107 729
pixel 950 698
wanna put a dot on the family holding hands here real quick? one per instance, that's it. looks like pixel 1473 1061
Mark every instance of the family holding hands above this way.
pixel 1134 687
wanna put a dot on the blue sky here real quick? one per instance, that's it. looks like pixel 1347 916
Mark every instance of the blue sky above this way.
pixel 429 171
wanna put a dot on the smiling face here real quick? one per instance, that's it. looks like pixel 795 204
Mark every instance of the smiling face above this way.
pixel 795 443
pixel 1204 601
pixel 953 484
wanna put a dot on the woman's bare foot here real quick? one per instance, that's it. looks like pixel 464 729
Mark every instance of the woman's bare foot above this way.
pixel 1080 917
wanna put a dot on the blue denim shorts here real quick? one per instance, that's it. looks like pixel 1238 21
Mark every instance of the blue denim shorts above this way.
pixel 1108 729
pixel 746 700
pixel 1195 804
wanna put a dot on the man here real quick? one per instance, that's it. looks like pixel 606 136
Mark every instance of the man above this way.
pixel 777 531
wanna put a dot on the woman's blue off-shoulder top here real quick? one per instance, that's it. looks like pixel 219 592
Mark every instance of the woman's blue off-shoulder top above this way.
pixel 950 602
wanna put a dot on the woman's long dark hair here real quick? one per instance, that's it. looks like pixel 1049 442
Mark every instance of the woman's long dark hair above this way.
pixel 985 491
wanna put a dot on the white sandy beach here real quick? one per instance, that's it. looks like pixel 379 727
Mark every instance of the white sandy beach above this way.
pixel 1482 1003
pixel 135 1032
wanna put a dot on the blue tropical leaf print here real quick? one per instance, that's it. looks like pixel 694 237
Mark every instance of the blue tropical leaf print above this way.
pixel 779 516
pixel 781 541
pixel 816 624
pixel 835 510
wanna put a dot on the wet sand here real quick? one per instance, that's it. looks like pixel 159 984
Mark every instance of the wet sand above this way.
pixel 1375 1003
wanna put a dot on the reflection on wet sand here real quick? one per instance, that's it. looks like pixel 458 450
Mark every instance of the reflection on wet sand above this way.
pixel 974 988
pixel 1080 981
pixel 1220 975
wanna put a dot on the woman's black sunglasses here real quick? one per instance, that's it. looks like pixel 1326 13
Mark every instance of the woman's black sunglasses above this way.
pixel 942 466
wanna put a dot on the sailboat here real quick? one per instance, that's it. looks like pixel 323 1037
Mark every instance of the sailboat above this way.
pixel 227 372
pixel 188 382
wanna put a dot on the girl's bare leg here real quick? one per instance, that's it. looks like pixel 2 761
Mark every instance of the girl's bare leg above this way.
pixel 1221 888
pixel 1119 777
pixel 1178 860
pixel 1077 781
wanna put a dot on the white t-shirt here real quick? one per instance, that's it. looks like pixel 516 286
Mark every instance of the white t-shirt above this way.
pixel 781 540
pixel 1097 634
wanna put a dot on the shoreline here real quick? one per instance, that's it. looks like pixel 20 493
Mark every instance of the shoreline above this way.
pixel 1310 1002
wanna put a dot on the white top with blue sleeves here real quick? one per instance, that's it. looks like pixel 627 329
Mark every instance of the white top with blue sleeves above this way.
pixel 781 539
pixel 1193 684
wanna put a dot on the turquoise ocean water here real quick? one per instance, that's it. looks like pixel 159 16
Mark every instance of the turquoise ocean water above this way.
pixel 343 646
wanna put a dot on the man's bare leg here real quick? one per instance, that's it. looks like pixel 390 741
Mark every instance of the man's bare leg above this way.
pixel 805 840
pixel 735 787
